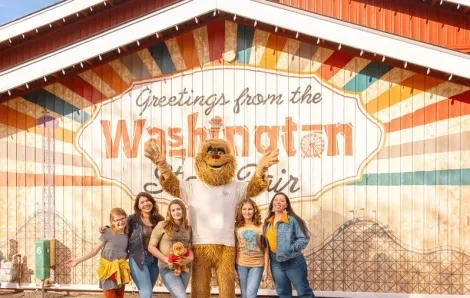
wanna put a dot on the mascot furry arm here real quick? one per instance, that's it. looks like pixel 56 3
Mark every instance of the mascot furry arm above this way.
pixel 214 192
pixel 170 183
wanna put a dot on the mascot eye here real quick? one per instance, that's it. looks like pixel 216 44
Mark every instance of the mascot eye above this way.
pixel 211 151
pixel 220 152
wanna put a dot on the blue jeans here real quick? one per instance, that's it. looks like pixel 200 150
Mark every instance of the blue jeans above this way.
pixel 146 277
pixel 250 278
pixel 291 271
pixel 176 284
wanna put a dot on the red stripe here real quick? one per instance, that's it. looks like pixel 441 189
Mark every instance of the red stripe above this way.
pixel 336 62
pixel 39 180
pixel 82 88
pixel 216 36
pixel 455 106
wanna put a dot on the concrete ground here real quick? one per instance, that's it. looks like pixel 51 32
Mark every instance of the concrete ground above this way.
pixel 51 294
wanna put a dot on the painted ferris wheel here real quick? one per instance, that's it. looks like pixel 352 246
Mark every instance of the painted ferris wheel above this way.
pixel 312 145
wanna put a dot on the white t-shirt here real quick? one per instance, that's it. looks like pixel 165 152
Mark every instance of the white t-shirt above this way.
pixel 212 210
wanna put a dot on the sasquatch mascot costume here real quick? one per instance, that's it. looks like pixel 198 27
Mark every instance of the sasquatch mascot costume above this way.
pixel 211 201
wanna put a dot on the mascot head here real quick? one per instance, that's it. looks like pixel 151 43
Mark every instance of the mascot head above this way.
pixel 215 162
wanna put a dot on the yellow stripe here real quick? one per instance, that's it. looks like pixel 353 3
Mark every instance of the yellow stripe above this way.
pixel 349 71
pixel 390 79
pixel 22 105
pixel 93 79
pixel 122 71
pixel 318 58
pixel 175 53
pixel 290 48
pixel 419 101
pixel 202 44
pixel 71 97
pixel 149 63
pixel 230 37
pixel 259 43
pixel 300 64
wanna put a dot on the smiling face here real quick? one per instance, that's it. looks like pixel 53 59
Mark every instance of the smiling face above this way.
pixel 145 205
pixel 279 203
pixel 176 212
pixel 247 212
pixel 215 162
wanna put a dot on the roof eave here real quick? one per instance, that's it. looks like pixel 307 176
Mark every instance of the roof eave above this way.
pixel 306 23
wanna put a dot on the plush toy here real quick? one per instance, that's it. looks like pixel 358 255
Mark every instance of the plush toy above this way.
pixel 177 253
pixel 212 200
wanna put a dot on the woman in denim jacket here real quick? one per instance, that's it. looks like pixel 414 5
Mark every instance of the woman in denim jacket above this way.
pixel 287 235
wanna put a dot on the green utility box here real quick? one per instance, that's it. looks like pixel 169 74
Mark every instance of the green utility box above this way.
pixel 42 260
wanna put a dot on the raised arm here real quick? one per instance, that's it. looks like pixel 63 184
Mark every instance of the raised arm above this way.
pixel 96 249
pixel 168 179
pixel 259 182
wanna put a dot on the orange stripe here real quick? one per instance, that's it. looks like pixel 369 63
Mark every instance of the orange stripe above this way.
pixel 107 74
pixel 273 51
pixel 13 118
pixel 188 49
pixel 38 180
pixel 455 106
pixel 406 89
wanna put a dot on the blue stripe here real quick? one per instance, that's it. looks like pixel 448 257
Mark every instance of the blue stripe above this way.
pixel 162 57
pixel 367 76
pixel 442 177
pixel 245 37
pixel 136 66
pixel 54 103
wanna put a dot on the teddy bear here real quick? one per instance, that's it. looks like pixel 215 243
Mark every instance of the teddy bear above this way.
pixel 211 201
pixel 177 253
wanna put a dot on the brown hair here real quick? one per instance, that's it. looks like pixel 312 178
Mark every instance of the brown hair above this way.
pixel 170 223
pixel 116 212
pixel 290 212
pixel 155 215
pixel 240 221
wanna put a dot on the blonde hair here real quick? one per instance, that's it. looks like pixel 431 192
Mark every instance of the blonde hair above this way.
pixel 116 212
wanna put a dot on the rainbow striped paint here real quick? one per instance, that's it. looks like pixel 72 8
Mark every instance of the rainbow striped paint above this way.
pixel 417 185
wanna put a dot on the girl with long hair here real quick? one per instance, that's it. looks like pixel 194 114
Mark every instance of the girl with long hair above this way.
pixel 113 270
pixel 174 229
pixel 144 267
pixel 251 257
pixel 287 235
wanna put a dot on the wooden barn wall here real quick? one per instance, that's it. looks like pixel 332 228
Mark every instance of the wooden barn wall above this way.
pixel 411 19
pixel 376 159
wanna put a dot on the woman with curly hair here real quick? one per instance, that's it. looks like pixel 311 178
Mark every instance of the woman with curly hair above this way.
pixel 251 257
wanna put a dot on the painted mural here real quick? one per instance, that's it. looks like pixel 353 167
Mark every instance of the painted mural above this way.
pixel 376 158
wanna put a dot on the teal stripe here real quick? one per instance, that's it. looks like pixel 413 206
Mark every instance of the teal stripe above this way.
pixel 367 76
pixel 56 104
pixel 162 57
pixel 136 66
pixel 245 36
pixel 442 177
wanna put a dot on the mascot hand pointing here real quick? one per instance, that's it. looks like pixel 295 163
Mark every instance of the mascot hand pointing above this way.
pixel 269 158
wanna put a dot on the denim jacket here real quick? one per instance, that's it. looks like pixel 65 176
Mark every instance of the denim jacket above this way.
pixel 290 240
pixel 136 241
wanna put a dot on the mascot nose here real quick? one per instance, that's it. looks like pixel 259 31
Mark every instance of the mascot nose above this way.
pixel 215 156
